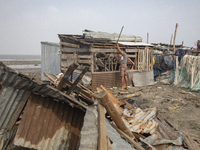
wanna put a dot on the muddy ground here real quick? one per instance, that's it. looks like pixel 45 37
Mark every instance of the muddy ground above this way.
pixel 181 110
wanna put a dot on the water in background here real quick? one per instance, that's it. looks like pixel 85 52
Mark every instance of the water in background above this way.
pixel 24 58
pixel 20 58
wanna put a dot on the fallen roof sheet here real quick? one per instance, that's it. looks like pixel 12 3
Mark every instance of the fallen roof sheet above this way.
pixel 16 80
pixel 80 41
pixel 49 125
pixel 9 101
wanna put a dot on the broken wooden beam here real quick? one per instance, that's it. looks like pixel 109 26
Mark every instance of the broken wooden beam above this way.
pixel 77 81
pixel 102 140
pixel 107 103
pixel 69 71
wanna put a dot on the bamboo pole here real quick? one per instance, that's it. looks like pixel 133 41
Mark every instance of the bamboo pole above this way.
pixel 175 36
pixel 147 38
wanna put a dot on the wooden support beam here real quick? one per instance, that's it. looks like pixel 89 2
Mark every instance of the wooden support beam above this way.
pixel 107 103
pixel 82 61
pixel 130 140
pixel 77 80
pixel 18 111
pixel 102 129
pixel 69 45
pixel 85 56
pixel 131 56
pixel 69 71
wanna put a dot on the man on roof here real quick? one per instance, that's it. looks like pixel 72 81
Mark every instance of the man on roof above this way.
pixel 123 67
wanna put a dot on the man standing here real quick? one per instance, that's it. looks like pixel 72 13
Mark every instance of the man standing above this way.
pixel 123 67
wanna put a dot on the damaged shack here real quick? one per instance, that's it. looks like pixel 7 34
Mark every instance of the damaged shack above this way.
pixel 97 51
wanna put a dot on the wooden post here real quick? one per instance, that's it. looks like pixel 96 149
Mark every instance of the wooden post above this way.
pixel 107 103
pixel 77 80
pixel 182 44
pixel 92 62
pixel 175 36
pixel 102 129
pixel 147 38
pixel 171 41
pixel 71 68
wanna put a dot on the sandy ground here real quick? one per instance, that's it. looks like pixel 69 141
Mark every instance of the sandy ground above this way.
pixel 182 111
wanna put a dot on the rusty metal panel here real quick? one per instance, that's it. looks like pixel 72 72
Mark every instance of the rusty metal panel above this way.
pixel 16 80
pixel 9 101
pixel 107 79
pixel 49 125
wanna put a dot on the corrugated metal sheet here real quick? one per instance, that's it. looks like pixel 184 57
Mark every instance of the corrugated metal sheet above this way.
pixel 16 80
pixel 9 101
pixel 107 79
pixel 136 44
pixel 143 78
pixel 6 138
pixel 50 59
pixel 49 125
pixel 89 133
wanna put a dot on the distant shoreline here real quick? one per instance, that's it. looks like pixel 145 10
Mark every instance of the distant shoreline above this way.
pixel 19 57
pixel 21 62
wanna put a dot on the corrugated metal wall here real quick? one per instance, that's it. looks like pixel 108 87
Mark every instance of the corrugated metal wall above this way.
pixel 9 101
pixel 108 80
pixel 49 125
pixel 50 59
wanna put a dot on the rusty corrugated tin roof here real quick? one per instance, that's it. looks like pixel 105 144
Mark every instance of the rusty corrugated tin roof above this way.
pixel 16 80
pixel 49 125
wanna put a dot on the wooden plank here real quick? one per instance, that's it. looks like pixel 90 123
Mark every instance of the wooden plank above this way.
pixel 102 140
pixel 71 50
pixel 103 50
pixel 69 45
pixel 132 50
pixel 79 90
pixel 81 61
pixel 18 110
pixel 92 62
pixel 85 56
pixel 77 80
pixel 131 56
pixel 71 68
pixel 107 103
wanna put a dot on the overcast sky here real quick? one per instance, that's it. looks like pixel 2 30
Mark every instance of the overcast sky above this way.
pixel 25 23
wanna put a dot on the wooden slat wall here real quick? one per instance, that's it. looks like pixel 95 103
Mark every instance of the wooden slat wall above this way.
pixel 145 60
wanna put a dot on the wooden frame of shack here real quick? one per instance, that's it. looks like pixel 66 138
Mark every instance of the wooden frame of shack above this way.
pixel 102 58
